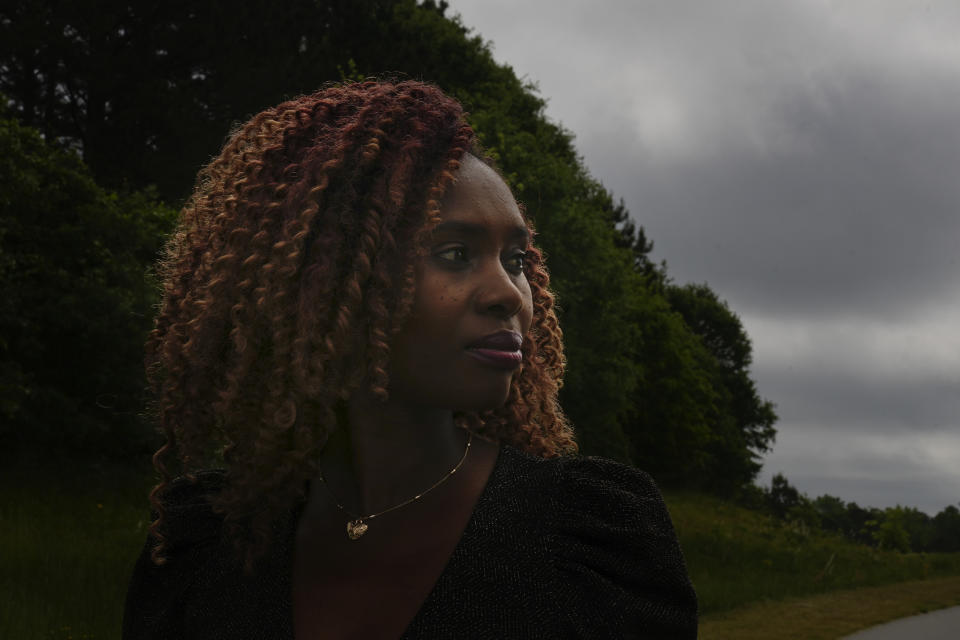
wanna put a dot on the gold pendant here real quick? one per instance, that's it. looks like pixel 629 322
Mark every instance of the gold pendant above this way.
pixel 355 529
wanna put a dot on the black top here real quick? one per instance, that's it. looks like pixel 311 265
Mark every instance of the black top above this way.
pixel 574 547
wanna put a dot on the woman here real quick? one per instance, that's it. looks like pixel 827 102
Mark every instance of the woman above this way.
pixel 357 328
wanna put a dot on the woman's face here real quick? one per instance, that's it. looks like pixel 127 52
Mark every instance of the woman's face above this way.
pixel 472 307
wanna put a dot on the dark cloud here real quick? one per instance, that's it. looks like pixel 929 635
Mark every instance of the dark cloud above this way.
pixel 880 485
pixel 803 158
pixel 873 470
pixel 852 401
pixel 859 210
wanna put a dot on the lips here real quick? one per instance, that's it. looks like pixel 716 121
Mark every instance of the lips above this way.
pixel 499 341
pixel 500 350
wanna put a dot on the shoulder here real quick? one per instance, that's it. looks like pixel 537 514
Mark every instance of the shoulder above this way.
pixel 592 492
pixel 189 520
pixel 607 495
pixel 155 594
pixel 188 514
pixel 615 549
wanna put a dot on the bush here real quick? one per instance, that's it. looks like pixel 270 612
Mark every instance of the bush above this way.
pixel 76 301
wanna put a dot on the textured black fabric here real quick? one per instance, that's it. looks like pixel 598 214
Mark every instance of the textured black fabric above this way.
pixel 573 547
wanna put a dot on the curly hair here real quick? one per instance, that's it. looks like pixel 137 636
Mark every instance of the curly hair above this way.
pixel 291 269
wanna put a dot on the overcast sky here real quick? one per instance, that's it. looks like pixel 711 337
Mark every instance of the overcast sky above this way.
pixel 802 158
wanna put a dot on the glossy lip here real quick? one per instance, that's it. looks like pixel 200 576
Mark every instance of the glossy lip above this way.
pixel 505 340
pixel 500 350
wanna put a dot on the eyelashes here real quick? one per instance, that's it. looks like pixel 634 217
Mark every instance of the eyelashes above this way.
pixel 517 262
pixel 452 254
pixel 459 257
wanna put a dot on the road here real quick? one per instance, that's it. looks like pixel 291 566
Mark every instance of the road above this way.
pixel 936 625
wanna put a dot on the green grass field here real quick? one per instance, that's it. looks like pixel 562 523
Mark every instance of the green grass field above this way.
pixel 738 557
pixel 68 540
pixel 832 615
pixel 69 535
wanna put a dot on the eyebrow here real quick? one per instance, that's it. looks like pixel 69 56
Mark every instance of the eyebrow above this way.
pixel 474 229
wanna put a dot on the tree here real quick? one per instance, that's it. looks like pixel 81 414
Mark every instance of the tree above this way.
pixel 744 421
pixel 833 515
pixel 918 527
pixel 675 406
pixel 75 305
pixel 147 91
pixel 889 532
pixel 946 530
pixel 859 520
pixel 783 496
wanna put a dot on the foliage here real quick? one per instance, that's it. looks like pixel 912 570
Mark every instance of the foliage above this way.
pixel 895 528
pixel 890 532
pixel 737 556
pixel 946 530
pixel 743 422
pixel 74 302
pixel 698 420
pixel 147 91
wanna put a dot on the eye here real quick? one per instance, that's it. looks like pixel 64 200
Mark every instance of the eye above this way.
pixel 516 262
pixel 452 254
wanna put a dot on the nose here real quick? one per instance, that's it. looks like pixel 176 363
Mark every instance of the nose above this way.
pixel 499 293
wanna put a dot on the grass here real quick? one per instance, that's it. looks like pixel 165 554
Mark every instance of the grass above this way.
pixel 737 557
pixel 69 535
pixel 831 615
pixel 68 540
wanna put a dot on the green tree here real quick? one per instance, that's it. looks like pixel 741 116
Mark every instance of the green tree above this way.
pixel 919 528
pixel 675 405
pixel 743 422
pixel 890 530
pixel 834 515
pixel 783 496
pixel 74 301
pixel 147 91
pixel 946 530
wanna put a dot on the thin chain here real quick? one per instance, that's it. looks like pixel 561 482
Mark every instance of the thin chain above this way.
pixel 406 502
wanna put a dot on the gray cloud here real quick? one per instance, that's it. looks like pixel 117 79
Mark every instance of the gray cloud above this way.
pixel 852 216
pixel 873 470
pixel 803 158
pixel 859 403
pixel 791 154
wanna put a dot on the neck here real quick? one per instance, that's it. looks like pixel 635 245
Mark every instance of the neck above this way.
pixel 386 453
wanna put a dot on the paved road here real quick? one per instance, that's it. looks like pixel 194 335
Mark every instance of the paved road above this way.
pixel 936 625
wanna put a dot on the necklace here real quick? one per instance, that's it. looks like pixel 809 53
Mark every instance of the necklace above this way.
pixel 357 525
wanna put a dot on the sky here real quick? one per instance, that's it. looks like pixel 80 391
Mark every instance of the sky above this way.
pixel 803 159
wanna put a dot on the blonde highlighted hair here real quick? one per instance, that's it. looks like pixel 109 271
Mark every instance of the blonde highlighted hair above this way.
pixel 290 271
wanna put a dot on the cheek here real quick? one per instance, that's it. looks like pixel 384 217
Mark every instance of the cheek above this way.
pixel 437 306
pixel 526 312
pixel 436 313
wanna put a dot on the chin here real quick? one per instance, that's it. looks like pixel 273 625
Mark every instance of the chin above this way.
pixel 480 402
pixel 490 404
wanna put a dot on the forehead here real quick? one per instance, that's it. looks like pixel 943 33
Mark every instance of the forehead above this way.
pixel 480 197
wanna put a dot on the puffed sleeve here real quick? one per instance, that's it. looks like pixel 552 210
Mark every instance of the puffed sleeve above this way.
pixel 154 604
pixel 618 556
